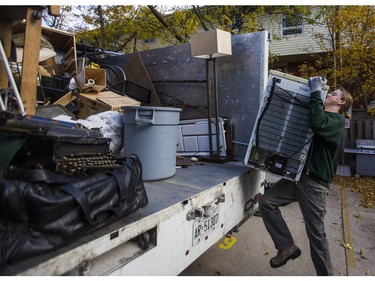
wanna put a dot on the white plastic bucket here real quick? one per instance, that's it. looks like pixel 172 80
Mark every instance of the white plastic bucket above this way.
pixel 151 133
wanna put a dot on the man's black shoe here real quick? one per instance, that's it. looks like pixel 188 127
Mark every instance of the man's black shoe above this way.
pixel 284 255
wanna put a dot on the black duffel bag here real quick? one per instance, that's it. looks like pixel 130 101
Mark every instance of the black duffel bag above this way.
pixel 49 210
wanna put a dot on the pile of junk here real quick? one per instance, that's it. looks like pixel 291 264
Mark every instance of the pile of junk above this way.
pixel 63 171
pixel 74 157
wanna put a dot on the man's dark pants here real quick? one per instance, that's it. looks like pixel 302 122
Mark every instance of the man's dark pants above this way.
pixel 311 197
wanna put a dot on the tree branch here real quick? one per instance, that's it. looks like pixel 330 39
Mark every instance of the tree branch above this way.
pixel 132 35
pixel 159 17
pixel 197 12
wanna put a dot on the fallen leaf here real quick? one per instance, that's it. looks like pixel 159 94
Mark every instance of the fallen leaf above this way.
pixel 361 254
pixel 346 245
pixel 364 185
pixel 266 254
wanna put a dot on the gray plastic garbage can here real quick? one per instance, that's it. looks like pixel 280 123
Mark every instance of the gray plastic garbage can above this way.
pixel 151 133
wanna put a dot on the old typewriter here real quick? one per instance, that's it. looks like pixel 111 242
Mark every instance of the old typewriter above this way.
pixel 54 145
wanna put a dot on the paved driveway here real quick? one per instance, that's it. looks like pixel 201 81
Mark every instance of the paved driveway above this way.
pixel 346 222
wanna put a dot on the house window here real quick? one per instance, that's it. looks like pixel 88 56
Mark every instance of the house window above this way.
pixel 291 25
pixel 146 41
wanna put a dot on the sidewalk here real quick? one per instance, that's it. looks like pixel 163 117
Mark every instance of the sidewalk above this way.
pixel 251 253
pixel 361 260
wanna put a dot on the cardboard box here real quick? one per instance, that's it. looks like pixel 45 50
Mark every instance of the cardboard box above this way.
pixel 64 44
pixel 91 79
pixel 53 70
pixel 93 103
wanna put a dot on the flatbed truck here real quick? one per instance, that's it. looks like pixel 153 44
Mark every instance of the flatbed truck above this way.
pixel 186 215
pixel 192 210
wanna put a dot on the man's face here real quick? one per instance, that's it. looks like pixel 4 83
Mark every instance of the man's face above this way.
pixel 334 98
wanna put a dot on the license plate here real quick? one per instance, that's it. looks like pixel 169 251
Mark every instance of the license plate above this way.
pixel 204 226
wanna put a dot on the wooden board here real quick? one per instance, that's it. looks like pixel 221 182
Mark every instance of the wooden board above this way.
pixel 30 62
pixel 137 73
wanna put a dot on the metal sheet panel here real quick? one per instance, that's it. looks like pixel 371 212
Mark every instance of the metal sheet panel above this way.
pixel 180 80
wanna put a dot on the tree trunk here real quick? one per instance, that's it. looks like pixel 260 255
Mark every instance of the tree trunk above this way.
pixel 102 27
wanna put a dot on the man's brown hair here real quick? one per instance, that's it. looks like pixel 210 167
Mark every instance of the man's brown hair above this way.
pixel 347 97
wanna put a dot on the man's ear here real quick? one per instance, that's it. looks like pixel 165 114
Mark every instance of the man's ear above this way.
pixel 342 102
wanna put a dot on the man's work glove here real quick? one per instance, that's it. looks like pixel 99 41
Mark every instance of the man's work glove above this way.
pixel 317 83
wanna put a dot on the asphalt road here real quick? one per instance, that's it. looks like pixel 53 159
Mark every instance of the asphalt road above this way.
pixel 346 222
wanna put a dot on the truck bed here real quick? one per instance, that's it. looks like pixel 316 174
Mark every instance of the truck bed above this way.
pixel 164 220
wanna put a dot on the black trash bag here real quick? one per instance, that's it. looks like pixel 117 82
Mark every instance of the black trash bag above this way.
pixel 50 210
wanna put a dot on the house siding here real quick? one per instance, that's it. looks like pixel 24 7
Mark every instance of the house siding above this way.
pixel 152 45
